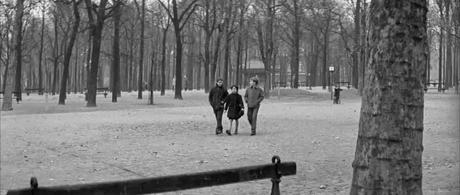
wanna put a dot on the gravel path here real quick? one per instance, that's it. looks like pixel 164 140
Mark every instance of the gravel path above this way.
pixel 73 144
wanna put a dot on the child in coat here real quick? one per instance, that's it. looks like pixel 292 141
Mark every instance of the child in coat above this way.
pixel 234 107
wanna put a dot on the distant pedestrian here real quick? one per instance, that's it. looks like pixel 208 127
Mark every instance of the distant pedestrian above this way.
pixel 253 96
pixel 217 97
pixel 234 108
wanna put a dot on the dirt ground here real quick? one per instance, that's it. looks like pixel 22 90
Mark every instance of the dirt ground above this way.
pixel 73 144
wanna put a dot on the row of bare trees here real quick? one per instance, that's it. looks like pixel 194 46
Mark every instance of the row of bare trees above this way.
pixel 126 45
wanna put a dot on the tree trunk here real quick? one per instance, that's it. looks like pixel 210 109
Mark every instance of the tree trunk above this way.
pixel 18 51
pixel 357 47
pixel 314 64
pixel 215 57
pixel 441 35
pixel 448 69
pixel 140 82
pixel 227 20
pixel 178 88
pixel 456 21
pixel 17 38
pixel 239 54
pixel 163 60
pixel 152 64
pixel 68 54
pixel 96 27
pixel 363 54
pixel 207 60
pixel 76 78
pixel 116 51
pixel 92 78
pixel 55 55
pixel 40 56
pixel 324 73
pixel 88 61
pixel 131 62
pixel 296 44
pixel 388 157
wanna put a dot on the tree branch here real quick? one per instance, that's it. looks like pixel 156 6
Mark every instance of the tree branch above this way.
pixel 187 18
pixel 192 6
pixel 166 9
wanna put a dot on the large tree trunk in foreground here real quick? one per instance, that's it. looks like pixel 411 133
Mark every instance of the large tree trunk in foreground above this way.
pixel 388 157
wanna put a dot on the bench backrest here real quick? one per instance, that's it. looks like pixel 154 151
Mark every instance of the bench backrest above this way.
pixel 172 183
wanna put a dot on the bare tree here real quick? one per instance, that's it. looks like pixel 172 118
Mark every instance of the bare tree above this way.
pixel 55 52
pixel 164 23
pixel 6 43
pixel 266 41
pixel 116 50
pixel 17 37
pixel 68 52
pixel 293 38
pixel 96 15
pixel 40 57
pixel 209 26
pixel 140 82
pixel 388 157
pixel 239 54
pixel 179 20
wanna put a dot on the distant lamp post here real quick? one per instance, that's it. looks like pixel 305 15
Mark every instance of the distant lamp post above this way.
pixel 309 80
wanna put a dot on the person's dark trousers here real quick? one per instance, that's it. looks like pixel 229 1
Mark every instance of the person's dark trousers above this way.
pixel 219 114
pixel 252 118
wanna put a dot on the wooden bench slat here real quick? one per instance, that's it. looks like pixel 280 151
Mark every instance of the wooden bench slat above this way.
pixel 168 183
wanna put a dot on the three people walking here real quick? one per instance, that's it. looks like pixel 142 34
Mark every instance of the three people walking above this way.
pixel 233 103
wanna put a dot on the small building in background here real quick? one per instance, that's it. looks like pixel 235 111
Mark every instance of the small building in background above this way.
pixel 255 68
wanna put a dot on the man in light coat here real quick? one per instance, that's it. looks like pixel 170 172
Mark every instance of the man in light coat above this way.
pixel 253 96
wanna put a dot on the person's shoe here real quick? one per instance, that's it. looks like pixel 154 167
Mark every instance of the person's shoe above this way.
pixel 218 132
pixel 228 132
pixel 253 132
pixel 236 132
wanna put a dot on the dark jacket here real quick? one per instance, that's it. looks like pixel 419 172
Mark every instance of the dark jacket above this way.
pixel 253 96
pixel 234 104
pixel 217 97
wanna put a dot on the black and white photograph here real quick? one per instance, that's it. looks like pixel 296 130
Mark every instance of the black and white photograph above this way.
pixel 229 97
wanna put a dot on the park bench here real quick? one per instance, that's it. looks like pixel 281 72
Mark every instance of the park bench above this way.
pixel 443 88
pixel 100 90
pixel 339 83
pixel 15 95
pixel 284 84
pixel 172 183
pixel 28 90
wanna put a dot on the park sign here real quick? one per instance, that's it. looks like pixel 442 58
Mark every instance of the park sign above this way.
pixel 331 68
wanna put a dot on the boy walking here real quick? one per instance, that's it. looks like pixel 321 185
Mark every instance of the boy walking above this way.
pixel 217 97
pixel 253 96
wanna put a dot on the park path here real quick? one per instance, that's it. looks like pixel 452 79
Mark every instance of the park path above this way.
pixel 138 141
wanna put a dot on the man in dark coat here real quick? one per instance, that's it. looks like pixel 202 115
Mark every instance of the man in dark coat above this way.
pixel 253 96
pixel 217 97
